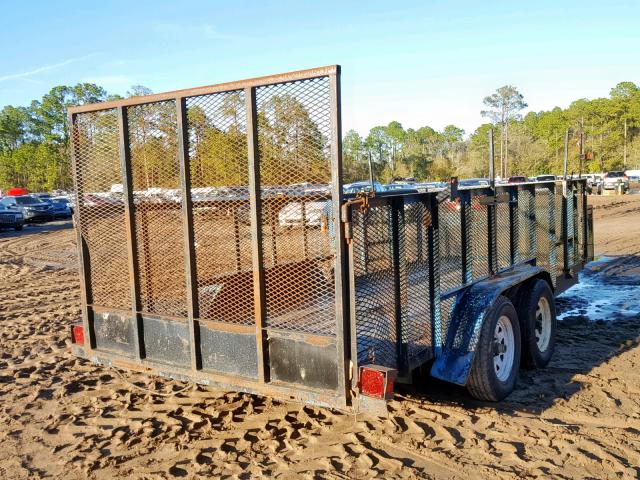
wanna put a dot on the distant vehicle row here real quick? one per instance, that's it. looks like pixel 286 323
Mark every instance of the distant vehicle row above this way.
pixel 16 210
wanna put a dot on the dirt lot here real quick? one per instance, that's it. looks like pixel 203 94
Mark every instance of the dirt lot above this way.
pixel 65 418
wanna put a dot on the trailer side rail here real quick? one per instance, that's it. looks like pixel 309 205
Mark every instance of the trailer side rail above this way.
pixel 205 225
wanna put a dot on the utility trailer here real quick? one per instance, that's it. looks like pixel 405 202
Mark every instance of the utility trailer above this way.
pixel 233 258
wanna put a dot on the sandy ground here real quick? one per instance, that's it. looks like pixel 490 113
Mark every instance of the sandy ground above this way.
pixel 61 417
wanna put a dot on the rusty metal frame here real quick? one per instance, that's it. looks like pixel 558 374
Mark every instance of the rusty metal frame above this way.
pixel 343 326
pixel 130 231
pixel 84 266
pixel 259 295
pixel 191 281
pixel 328 71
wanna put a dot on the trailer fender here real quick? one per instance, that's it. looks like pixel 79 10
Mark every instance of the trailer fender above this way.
pixel 454 361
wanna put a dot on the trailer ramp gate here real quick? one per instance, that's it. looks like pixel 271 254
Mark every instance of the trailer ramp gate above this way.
pixel 216 245
pixel 205 220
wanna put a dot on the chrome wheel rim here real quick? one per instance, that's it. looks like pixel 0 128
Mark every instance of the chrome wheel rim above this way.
pixel 504 348
pixel 543 324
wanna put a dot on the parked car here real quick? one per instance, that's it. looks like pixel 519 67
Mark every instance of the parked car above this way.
pixel 612 180
pixel 61 207
pixel 11 218
pixel 32 208
pixel 517 179
pixel 545 178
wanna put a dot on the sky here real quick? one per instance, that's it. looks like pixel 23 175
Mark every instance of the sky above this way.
pixel 418 62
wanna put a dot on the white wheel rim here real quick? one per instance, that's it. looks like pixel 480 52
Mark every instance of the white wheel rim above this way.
pixel 543 324
pixel 504 346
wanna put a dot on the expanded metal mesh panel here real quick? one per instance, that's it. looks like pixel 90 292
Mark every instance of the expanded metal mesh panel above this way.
pixel 450 245
pixel 479 240
pixel 101 213
pixel 416 307
pixel 545 238
pixel 294 135
pixel 526 225
pixel 503 235
pixel 374 287
pixel 219 168
pixel 157 208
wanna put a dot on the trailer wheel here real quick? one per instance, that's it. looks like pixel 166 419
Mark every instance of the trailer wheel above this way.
pixel 497 360
pixel 537 312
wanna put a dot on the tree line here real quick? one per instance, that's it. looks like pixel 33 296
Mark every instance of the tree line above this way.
pixel 604 134
pixel 35 147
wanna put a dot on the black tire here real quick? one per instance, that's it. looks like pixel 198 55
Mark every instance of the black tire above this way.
pixel 18 228
pixel 483 382
pixel 530 294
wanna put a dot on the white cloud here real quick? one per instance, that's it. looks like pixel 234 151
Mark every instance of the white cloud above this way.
pixel 44 68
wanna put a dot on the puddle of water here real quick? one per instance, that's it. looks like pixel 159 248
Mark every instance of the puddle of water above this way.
pixel 602 294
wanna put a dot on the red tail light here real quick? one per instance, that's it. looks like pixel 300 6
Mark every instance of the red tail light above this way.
pixel 377 382
pixel 77 334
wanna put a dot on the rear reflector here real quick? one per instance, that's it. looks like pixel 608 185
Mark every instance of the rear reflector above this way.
pixel 377 382
pixel 77 334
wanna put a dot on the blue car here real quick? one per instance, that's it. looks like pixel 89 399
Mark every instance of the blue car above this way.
pixel 61 207
pixel 11 218
pixel 32 208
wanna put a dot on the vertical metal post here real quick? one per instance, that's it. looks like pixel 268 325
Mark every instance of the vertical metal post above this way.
pixel 130 229
pixel 255 201
pixel 564 225
pixel 397 210
pixel 191 277
pixel 552 234
pixel 434 275
pixel 467 273
pixel 533 224
pixel 513 221
pixel 491 211
pixel 353 333
pixel 84 264
pixel 343 328
pixel 584 226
